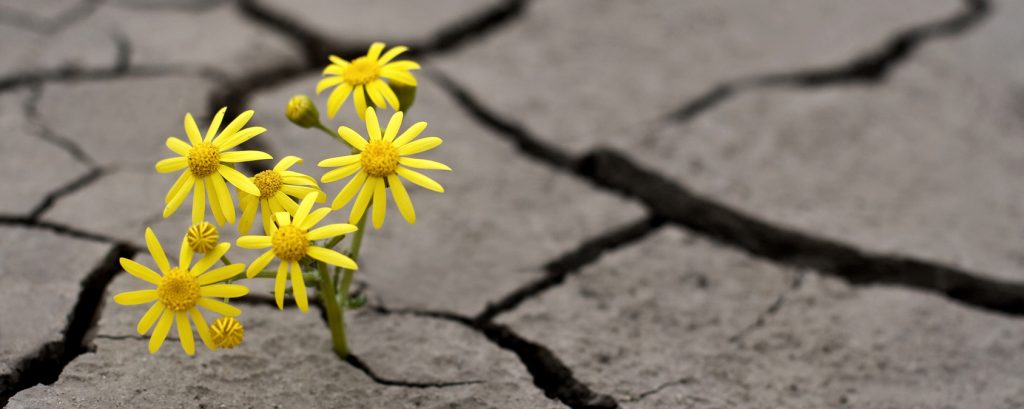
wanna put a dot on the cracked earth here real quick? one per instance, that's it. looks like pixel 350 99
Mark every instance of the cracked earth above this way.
pixel 655 203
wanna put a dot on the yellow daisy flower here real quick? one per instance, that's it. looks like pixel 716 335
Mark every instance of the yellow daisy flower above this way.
pixel 290 241
pixel 179 290
pixel 275 186
pixel 364 77
pixel 205 160
pixel 379 164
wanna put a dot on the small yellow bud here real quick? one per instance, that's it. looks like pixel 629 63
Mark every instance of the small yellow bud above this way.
pixel 202 237
pixel 227 332
pixel 406 95
pixel 302 112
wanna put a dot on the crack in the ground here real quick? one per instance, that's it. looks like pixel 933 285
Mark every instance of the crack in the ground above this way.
pixel 362 366
pixel 870 68
pixel 45 366
pixel 772 309
pixel 571 262
pixel 71 187
pixel 70 231
pixel 48 26
pixel 643 395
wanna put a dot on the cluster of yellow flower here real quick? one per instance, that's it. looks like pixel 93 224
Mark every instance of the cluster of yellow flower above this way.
pixel 207 162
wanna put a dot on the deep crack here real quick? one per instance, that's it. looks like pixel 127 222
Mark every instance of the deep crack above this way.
pixel 45 366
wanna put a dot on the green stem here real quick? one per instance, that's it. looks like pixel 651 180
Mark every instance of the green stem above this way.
pixel 357 244
pixel 335 315
pixel 332 134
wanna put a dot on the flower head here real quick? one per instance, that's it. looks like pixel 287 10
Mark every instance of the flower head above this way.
pixel 364 77
pixel 276 185
pixel 289 241
pixel 378 165
pixel 302 112
pixel 227 332
pixel 206 163
pixel 179 291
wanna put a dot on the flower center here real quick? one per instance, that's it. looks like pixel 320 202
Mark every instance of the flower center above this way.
pixel 379 158
pixel 202 237
pixel 289 243
pixel 178 290
pixel 203 159
pixel 361 71
pixel 227 332
pixel 269 182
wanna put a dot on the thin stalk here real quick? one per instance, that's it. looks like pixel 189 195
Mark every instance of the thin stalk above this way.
pixel 357 243
pixel 332 134
pixel 335 315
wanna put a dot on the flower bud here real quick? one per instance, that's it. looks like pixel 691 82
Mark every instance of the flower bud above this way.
pixel 302 112
pixel 202 237
pixel 227 332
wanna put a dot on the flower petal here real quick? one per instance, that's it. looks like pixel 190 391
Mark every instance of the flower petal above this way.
pixel 215 124
pixel 372 124
pixel 233 127
pixel 140 271
pixel 160 332
pixel 282 199
pixel 299 287
pixel 315 217
pixel 238 138
pixel 363 199
pixel 391 54
pixel 327 83
pixel 286 163
pixel 340 173
pixel 398 75
pixel 331 230
pixel 338 98
pixel 349 191
pixel 375 49
pixel 423 164
pixel 178 183
pixel 419 179
pixel 187 181
pixel 204 330
pixel 373 90
pixel 220 274
pixel 415 130
pixel 253 242
pixel 149 318
pixel 215 207
pixel 219 307
pixel 171 164
pixel 249 206
pixel 185 333
pixel 360 101
pixel 402 199
pixel 304 207
pixel 209 259
pixel 135 297
pixel 259 263
pixel 420 145
pixel 227 203
pixel 352 137
pixel 393 125
pixel 178 146
pixel 331 257
pixel 244 156
pixel 389 95
pixel 279 281
pixel 192 130
pixel 340 161
pixel 238 179
pixel 186 253
pixel 157 251
pixel 380 205
pixel 198 202
pixel 224 290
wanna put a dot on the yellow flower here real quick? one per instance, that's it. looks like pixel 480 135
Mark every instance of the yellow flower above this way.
pixel 227 332
pixel 179 290
pixel 380 162
pixel 205 161
pixel 275 186
pixel 363 77
pixel 289 241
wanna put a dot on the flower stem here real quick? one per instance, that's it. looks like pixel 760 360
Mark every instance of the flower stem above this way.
pixel 357 243
pixel 335 314
pixel 332 134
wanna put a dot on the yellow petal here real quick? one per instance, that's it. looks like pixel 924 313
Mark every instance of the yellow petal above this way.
pixel 178 146
pixel 279 281
pixel 209 259
pixel 352 137
pixel 415 130
pixel 160 332
pixel 185 333
pixel 177 186
pixel 372 124
pixel 199 202
pixel 299 287
pixel 219 307
pixel 220 274
pixel 186 186
pixel 393 125
pixel 286 202
pixel 363 200
pixel 286 163
pixel 249 209
pixel 337 99
pixel 340 173
pixel 373 90
pixel 192 130
pixel 227 203
pixel 157 251
pixel 331 257
pixel 140 271
pixel 341 62
pixel 349 191
pixel 204 330
pixel 340 160
pixel 423 164
pixel 375 49
pixel 327 83
pixel 240 181
pixel 380 205
pixel 419 179
pixel 421 145
pixel 254 242
pixel 135 297
pixel 215 207
pixel 283 218
pixel 391 54
pixel 389 94
pixel 304 207
pixel 149 318
pixel 171 164
pixel 402 199
pixel 215 124
pixel 259 264
pixel 331 230
pixel 267 218
pixel 224 290
pixel 397 75
pixel 186 253
pixel 404 65
pixel 238 138
pixel 244 156
pixel 315 217
pixel 235 126
pixel 360 101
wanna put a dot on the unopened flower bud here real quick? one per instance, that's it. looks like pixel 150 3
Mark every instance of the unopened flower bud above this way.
pixel 202 237
pixel 227 332
pixel 302 112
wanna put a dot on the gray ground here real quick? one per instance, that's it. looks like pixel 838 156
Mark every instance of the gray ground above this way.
pixel 657 203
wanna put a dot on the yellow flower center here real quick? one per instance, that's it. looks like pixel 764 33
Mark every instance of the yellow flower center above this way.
pixel 269 182
pixel 227 332
pixel 178 290
pixel 203 159
pixel 202 237
pixel 361 71
pixel 290 243
pixel 379 158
